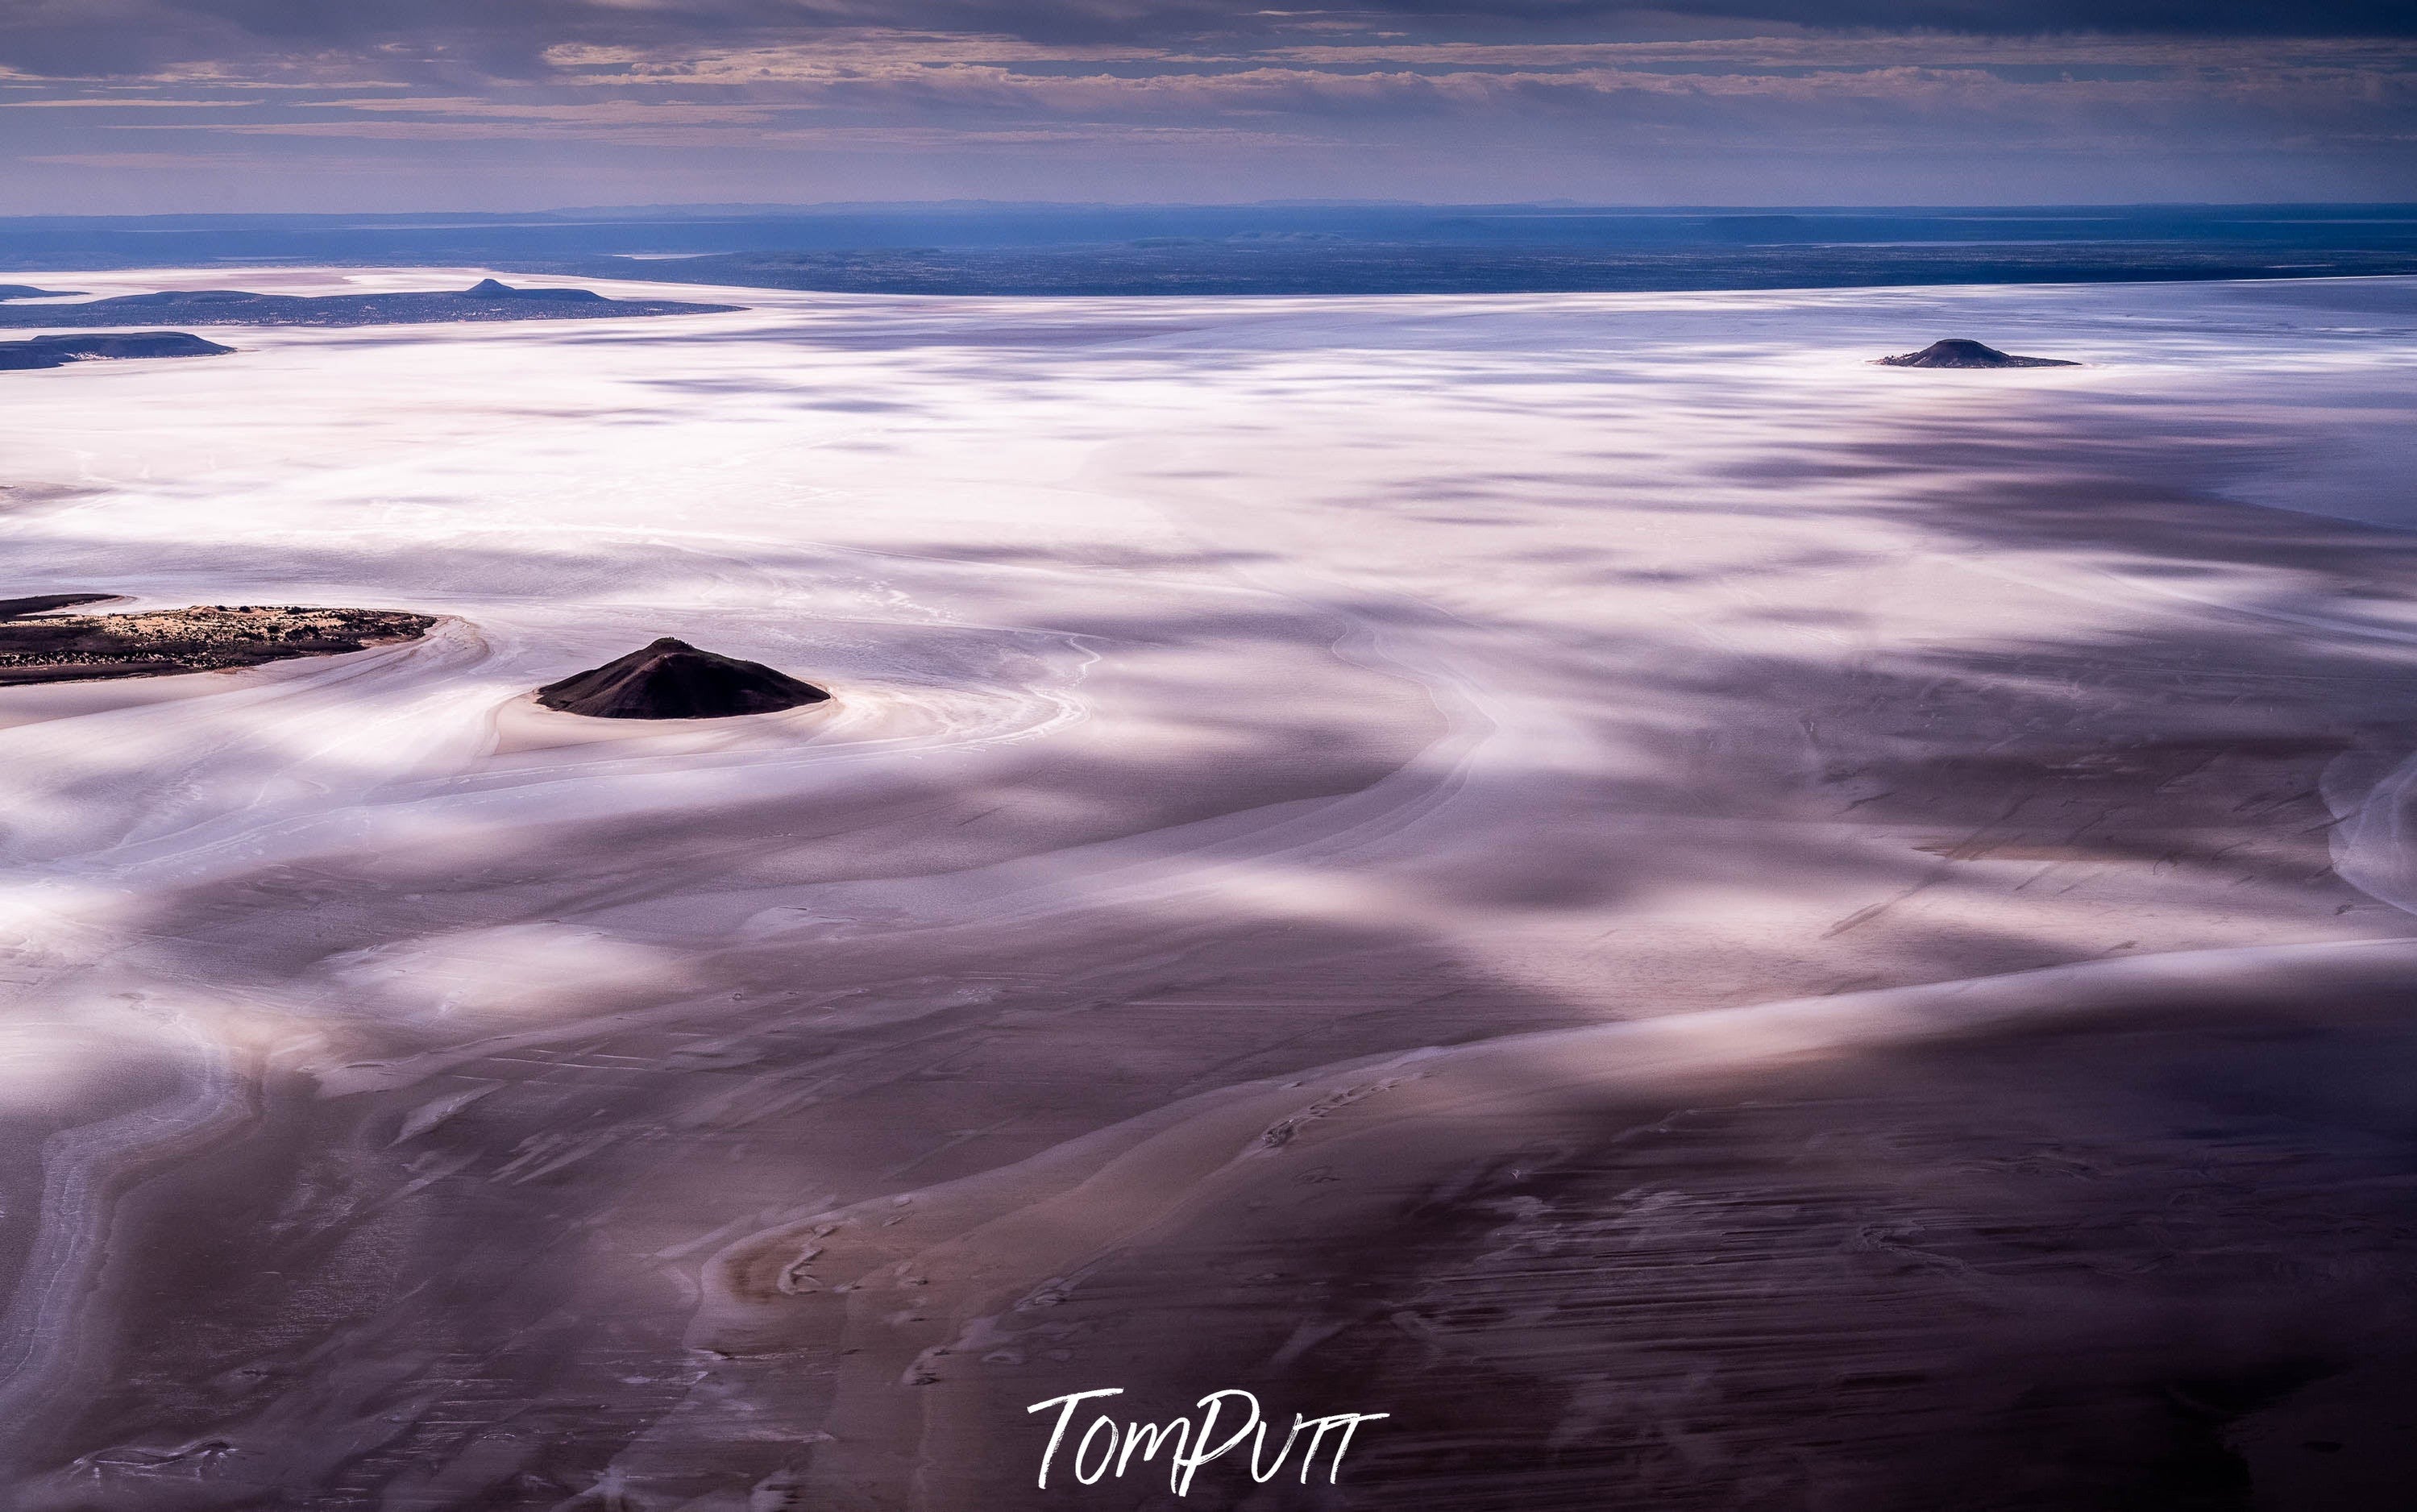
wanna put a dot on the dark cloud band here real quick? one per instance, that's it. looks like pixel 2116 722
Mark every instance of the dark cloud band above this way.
pixel 128 35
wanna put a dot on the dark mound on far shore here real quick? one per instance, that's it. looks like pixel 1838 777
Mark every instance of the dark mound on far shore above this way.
pixel 488 288
pixel 58 351
pixel 26 291
pixel 36 647
pixel 1963 354
pixel 673 680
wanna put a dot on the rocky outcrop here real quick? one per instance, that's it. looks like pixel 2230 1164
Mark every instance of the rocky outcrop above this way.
pixel 36 647
pixel 672 680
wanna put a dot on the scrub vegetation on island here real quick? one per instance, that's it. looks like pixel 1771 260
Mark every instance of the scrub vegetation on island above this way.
pixel 38 645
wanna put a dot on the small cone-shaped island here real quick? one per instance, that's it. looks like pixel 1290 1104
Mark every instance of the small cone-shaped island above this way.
pixel 673 680
pixel 491 288
pixel 1964 354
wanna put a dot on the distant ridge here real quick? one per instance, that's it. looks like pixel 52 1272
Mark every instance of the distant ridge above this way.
pixel 487 300
pixel 1319 247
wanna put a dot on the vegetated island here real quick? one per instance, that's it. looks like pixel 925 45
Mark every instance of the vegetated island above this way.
pixel 26 291
pixel 672 680
pixel 36 645
pixel 486 300
pixel 58 351
pixel 1964 354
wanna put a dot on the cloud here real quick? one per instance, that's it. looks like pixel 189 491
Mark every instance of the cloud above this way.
pixel 791 84
pixel 105 103
pixel 517 38
pixel 973 104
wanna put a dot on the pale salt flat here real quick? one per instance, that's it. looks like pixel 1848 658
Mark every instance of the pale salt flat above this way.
pixel 1232 696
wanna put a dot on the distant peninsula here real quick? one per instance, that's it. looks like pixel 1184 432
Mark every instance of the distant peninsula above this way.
pixel 58 351
pixel 26 291
pixel 486 300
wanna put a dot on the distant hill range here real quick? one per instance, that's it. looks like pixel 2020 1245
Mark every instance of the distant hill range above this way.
pixel 58 351
pixel 1299 247
pixel 487 300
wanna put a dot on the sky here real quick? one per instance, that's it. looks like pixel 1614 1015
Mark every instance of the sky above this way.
pixel 135 106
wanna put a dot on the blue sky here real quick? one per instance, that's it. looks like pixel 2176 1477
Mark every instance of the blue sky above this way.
pixel 119 106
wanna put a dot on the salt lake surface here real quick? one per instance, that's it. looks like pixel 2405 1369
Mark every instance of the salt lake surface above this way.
pixel 1697 919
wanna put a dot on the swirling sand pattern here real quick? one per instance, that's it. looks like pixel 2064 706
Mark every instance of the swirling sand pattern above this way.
pixel 1706 924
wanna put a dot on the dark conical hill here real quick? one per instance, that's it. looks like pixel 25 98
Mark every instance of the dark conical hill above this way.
pixel 490 288
pixel 673 680
pixel 1968 354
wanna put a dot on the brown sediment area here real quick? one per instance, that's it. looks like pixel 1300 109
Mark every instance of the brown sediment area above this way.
pixel 40 646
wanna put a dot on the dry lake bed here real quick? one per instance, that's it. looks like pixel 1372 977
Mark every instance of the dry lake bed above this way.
pixel 1698 920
